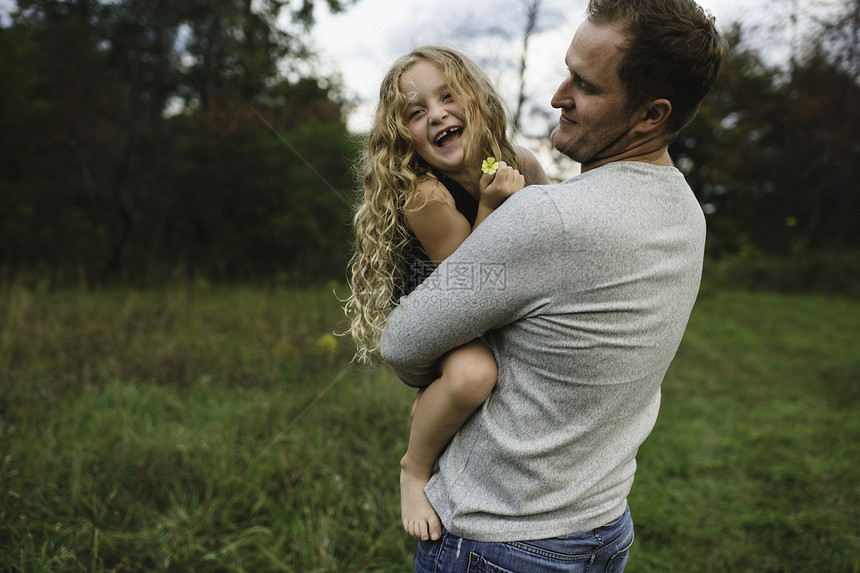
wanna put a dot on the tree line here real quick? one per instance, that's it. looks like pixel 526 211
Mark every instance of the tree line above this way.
pixel 773 154
pixel 144 140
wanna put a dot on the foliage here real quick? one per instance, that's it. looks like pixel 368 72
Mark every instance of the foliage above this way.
pixel 143 140
pixel 201 428
pixel 773 156
pixel 141 137
pixel 824 272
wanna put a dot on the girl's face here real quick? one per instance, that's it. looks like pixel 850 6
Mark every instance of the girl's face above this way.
pixel 434 119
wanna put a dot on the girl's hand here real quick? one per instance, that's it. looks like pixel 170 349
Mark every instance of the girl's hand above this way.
pixel 497 187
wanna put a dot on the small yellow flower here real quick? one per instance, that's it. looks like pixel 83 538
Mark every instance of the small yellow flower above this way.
pixel 326 344
pixel 490 165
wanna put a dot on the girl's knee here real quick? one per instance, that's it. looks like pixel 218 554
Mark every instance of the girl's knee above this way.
pixel 469 382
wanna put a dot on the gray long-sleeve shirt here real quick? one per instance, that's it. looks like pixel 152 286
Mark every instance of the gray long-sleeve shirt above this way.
pixel 583 290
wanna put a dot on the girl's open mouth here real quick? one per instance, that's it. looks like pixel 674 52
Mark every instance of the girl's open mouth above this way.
pixel 448 136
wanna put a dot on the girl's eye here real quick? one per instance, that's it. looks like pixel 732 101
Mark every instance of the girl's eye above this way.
pixel 447 97
pixel 413 113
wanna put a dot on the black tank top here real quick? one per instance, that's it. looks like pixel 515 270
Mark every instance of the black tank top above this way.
pixel 420 265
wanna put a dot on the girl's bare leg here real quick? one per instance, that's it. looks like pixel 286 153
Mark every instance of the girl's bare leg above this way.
pixel 468 374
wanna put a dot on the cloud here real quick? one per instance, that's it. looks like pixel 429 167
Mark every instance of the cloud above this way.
pixel 361 43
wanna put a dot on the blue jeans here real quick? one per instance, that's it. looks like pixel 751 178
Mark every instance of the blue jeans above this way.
pixel 602 550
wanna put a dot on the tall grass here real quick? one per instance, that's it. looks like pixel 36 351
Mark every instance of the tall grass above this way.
pixel 193 429
pixel 754 464
pixel 200 428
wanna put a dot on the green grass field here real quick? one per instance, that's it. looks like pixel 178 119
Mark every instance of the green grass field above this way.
pixel 203 428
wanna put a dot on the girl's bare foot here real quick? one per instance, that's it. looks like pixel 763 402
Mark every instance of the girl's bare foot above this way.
pixel 419 517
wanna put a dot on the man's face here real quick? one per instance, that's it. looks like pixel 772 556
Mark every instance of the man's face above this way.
pixel 594 124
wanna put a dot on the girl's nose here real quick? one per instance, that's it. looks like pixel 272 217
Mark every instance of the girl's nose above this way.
pixel 438 113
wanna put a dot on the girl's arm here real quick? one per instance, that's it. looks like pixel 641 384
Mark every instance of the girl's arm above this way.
pixel 433 217
pixel 507 181
pixel 496 188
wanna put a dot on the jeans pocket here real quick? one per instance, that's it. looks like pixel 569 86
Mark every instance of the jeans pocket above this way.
pixel 478 564
pixel 618 560
pixel 515 560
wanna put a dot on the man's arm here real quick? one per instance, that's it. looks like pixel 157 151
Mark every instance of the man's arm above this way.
pixel 501 273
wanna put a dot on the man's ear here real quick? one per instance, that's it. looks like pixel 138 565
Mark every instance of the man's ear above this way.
pixel 654 116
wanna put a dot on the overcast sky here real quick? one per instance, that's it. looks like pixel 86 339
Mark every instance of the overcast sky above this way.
pixel 361 43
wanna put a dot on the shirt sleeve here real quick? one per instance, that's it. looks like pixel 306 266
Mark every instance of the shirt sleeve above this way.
pixel 506 270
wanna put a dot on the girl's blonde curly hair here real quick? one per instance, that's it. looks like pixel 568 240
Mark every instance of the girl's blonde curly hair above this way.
pixel 379 269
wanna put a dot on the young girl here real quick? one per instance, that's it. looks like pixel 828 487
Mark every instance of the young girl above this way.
pixel 438 117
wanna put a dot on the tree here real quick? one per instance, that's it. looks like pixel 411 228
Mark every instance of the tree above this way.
pixel 131 123
pixel 772 154
pixel 728 151
pixel 839 36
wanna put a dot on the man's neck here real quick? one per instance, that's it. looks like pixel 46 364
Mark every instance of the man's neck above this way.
pixel 659 156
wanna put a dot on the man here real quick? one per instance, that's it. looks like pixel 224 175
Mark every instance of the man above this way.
pixel 583 291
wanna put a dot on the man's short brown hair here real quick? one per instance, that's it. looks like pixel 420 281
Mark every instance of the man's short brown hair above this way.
pixel 673 51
